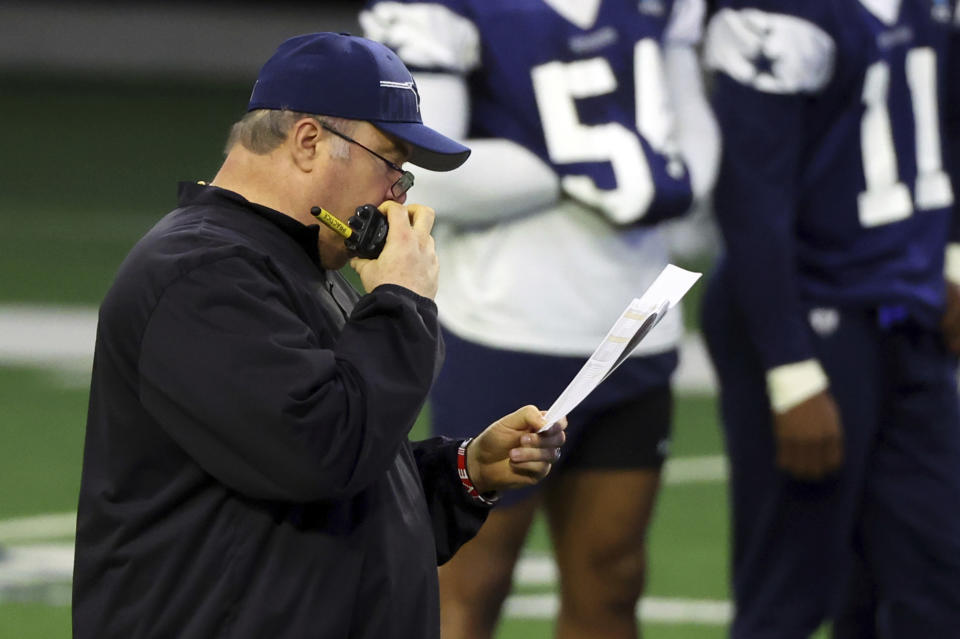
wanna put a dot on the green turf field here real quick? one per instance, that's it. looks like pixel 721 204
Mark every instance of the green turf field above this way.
pixel 42 453
pixel 87 167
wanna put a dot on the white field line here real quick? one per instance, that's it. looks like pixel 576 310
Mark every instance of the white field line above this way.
pixel 535 570
pixel 62 337
pixel 709 612
pixel 541 570
pixel 679 471
pixel 36 564
pixel 51 336
pixel 38 527
pixel 34 572
pixel 696 470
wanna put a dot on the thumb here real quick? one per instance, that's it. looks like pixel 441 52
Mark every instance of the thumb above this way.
pixel 358 263
pixel 397 215
pixel 528 418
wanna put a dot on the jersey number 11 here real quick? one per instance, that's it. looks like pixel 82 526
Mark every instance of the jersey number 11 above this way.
pixel 887 199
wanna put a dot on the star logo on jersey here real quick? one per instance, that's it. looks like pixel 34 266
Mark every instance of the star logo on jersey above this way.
pixel 762 63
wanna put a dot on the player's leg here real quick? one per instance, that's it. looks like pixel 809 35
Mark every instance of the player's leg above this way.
pixel 791 539
pixel 477 580
pixel 599 508
pixel 857 616
pixel 476 386
pixel 912 503
pixel 598 521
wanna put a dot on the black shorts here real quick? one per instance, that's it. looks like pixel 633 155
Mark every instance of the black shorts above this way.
pixel 624 424
pixel 629 435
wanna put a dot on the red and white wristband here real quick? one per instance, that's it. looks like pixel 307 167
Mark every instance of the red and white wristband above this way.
pixel 491 498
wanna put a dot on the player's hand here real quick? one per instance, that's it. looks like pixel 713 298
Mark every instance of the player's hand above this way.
pixel 408 258
pixel 809 438
pixel 510 453
pixel 950 322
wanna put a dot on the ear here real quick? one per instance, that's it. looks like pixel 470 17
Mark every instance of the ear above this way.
pixel 306 139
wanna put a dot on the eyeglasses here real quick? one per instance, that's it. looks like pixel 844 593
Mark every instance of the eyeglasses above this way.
pixel 403 183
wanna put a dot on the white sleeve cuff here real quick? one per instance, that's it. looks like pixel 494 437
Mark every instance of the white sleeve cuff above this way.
pixel 792 384
pixel 951 266
pixel 428 35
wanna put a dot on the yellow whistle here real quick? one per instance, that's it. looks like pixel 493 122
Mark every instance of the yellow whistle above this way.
pixel 328 218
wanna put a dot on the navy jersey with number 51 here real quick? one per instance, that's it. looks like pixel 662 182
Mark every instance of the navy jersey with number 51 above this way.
pixel 584 92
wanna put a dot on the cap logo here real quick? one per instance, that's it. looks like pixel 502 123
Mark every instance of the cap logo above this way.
pixel 409 86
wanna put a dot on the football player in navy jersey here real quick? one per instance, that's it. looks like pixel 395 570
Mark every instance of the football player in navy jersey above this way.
pixel 570 107
pixel 825 316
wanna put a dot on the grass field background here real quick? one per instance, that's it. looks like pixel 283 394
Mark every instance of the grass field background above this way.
pixel 87 166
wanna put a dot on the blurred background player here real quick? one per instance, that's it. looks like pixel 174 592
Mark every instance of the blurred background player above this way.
pixel 544 239
pixel 838 394
pixel 857 618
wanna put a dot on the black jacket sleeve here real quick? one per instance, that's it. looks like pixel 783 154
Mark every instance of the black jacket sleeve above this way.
pixel 455 515
pixel 263 403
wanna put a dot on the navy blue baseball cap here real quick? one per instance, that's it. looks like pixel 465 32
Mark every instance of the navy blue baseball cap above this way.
pixel 351 77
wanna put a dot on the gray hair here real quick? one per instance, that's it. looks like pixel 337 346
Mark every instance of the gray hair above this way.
pixel 263 130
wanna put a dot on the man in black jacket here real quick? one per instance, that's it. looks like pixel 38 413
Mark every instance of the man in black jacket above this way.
pixel 247 471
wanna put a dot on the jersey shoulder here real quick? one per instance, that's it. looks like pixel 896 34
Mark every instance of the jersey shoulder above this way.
pixel 439 35
pixel 773 46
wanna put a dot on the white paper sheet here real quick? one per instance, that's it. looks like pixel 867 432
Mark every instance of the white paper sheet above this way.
pixel 636 321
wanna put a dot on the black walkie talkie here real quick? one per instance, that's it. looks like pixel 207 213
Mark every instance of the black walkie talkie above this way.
pixel 365 232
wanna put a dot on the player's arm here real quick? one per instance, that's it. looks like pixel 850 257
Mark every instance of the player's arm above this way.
pixel 441 45
pixel 697 132
pixel 767 67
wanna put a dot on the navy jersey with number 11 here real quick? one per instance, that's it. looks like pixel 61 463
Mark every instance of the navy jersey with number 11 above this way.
pixel 834 187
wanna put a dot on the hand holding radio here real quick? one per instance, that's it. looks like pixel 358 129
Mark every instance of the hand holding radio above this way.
pixel 365 232
pixel 392 244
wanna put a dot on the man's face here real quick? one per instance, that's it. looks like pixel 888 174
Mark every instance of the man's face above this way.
pixel 356 177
